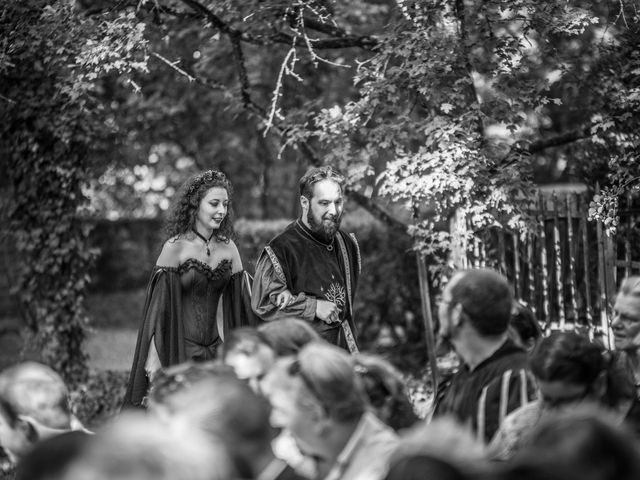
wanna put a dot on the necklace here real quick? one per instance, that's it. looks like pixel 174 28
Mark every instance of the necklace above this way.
pixel 205 240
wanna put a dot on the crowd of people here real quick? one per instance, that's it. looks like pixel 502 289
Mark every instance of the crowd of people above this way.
pixel 239 378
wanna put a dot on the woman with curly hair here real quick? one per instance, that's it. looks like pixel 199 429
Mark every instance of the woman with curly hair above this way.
pixel 198 290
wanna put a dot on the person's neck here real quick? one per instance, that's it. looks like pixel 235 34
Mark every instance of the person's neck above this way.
pixel 337 438
pixel 475 349
pixel 203 230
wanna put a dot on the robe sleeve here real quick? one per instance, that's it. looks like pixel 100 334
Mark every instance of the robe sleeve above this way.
pixel 236 303
pixel 162 325
pixel 267 285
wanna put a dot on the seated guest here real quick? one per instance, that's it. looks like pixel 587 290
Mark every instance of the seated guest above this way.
pixel 34 405
pixel 626 336
pixel 586 443
pixel 420 467
pixel 569 369
pixel 139 447
pixel 229 410
pixel 49 458
pixel 323 404
pixel 288 335
pixel 249 353
pixel 524 328
pixel 169 385
pixel 443 446
pixel 386 392
pixel 493 380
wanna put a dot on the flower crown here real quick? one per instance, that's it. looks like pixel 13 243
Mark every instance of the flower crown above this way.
pixel 206 177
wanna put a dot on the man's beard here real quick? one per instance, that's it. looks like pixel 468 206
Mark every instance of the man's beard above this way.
pixel 324 231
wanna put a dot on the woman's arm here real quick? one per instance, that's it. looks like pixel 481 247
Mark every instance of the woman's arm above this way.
pixel 236 261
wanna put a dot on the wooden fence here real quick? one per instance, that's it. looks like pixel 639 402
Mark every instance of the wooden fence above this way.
pixel 566 268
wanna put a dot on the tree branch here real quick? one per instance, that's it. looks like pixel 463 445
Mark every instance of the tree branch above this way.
pixel 279 37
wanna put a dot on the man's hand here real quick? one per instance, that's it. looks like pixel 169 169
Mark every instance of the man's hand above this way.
pixel 327 311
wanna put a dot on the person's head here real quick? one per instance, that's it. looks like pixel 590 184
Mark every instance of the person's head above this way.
pixel 229 410
pixel 476 299
pixel 587 442
pixel 445 439
pixel 140 447
pixel 626 316
pixel 249 353
pixel 34 405
pixel 524 328
pixel 167 392
pixel 420 467
pixel 288 335
pixel 385 389
pixel 322 202
pixel 203 203
pixel 571 369
pixel 313 392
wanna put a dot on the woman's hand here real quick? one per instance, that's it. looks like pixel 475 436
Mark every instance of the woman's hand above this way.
pixel 283 299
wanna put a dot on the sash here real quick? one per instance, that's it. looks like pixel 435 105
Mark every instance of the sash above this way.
pixel 346 328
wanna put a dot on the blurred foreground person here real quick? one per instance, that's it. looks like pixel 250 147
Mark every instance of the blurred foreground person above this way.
pixel 493 380
pixel 569 370
pixel 170 384
pixel 34 405
pixel 386 391
pixel 440 450
pixel 288 335
pixel 626 326
pixel 50 458
pixel 249 353
pixel 321 401
pixel 140 447
pixel 228 409
pixel 586 444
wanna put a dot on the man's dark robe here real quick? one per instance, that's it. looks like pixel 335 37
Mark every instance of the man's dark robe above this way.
pixel 310 269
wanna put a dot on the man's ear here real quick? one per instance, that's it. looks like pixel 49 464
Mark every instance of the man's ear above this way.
pixel 304 204
pixel 456 316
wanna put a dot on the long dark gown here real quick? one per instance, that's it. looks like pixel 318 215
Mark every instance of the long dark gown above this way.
pixel 181 317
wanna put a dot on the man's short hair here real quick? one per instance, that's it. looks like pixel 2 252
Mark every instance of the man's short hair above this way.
pixel 486 298
pixel 317 174
pixel 37 391
pixel 328 379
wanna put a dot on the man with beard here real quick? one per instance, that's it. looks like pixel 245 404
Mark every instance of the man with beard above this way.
pixel 310 270
pixel 493 379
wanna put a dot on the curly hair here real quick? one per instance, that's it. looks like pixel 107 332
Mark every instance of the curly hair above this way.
pixel 185 207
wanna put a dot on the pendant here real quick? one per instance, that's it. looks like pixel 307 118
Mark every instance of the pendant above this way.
pixel 330 248
pixel 208 251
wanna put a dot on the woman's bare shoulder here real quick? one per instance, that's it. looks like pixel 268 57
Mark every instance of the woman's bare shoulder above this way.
pixel 172 252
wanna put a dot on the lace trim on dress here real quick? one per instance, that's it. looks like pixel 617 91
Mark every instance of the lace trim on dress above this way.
pixel 211 273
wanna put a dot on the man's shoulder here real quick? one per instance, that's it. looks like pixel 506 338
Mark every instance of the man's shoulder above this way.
pixel 284 237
